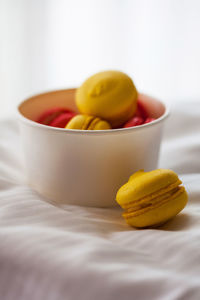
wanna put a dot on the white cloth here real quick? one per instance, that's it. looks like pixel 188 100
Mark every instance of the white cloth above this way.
pixel 76 253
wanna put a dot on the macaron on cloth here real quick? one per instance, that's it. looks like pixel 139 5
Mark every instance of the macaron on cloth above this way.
pixel 149 199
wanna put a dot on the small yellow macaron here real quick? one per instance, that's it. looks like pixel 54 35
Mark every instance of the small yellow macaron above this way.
pixel 110 95
pixel 149 199
pixel 85 122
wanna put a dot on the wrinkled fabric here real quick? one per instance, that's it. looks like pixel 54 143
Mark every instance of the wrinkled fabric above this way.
pixel 73 252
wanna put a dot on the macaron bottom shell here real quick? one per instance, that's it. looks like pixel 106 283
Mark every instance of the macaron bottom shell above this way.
pixel 157 216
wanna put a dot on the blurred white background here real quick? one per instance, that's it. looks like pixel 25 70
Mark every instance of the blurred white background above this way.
pixel 49 44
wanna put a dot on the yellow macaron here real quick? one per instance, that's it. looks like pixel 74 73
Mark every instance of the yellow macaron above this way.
pixel 151 198
pixel 110 95
pixel 85 122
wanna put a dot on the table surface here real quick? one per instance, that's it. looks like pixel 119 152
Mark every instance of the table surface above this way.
pixel 70 252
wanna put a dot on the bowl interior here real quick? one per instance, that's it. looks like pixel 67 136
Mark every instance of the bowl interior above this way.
pixel 34 106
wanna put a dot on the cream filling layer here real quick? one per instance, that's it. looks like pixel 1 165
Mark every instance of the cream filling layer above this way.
pixel 90 123
pixel 87 122
pixel 93 124
pixel 153 203
pixel 151 196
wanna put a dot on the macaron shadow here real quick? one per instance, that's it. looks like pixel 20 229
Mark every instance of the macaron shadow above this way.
pixel 178 223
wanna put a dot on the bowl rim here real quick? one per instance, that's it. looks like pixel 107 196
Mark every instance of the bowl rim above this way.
pixel 32 123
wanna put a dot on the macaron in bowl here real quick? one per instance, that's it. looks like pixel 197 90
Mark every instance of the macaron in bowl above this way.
pixel 109 95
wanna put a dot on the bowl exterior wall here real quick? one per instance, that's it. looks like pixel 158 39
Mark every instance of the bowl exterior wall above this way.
pixel 86 169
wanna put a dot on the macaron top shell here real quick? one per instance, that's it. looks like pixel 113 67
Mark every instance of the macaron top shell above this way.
pixel 142 184
pixel 110 95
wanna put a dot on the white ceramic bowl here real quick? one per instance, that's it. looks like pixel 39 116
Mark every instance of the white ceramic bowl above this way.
pixel 85 167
